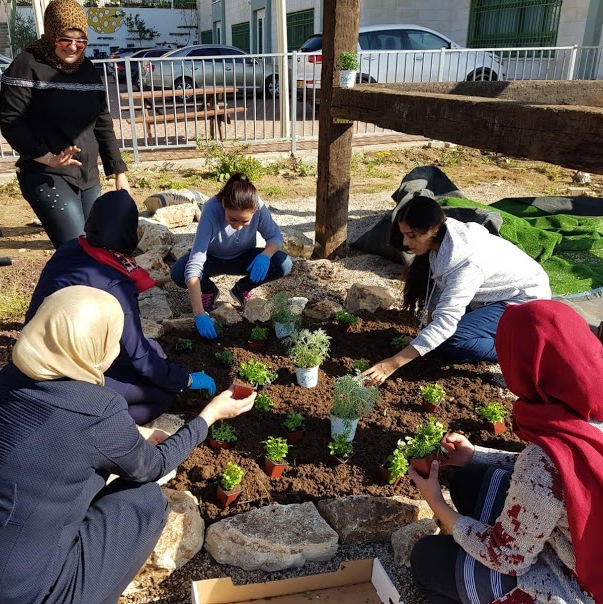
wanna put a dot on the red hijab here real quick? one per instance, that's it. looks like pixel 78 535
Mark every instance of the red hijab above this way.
pixel 553 362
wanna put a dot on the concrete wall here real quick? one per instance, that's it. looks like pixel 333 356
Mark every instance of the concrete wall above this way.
pixel 572 22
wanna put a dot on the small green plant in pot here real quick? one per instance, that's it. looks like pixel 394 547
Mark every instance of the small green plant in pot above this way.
pixel 348 68
pixel 224 357
pixel 352 399
pixel 257 338
pixel 223 436
pixel 340 447
pixel 294 427
pixel 347 321
pixel 283 319
pixel 396 465
pixel 433 396
pixel 425 446
pixel 276 453
pixel 494 413
pixel 263 403
pixel 308 350
pixel 229 487
pixel 255 373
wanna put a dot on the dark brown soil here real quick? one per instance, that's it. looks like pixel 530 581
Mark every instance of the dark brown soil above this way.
pixel 311 475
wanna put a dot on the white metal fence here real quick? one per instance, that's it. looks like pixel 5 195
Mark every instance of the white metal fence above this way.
pixel 164 103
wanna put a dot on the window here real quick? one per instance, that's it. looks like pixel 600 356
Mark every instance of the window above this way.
pixel 503 23
pixel 206 37
pixel 241 36
pixel 424 40
pixel 300 26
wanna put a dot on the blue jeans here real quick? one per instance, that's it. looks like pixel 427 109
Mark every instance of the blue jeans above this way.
pixel 473 339
pixel 61 207
pixel 280 266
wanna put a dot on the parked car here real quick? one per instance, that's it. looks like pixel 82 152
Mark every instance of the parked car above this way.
pixel 205 64
pixel 402 53
pixel 121 53
pixel 135 65
pixel 4 63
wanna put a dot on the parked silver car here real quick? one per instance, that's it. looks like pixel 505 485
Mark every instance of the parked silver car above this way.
pixel 403 53
pixel 208 64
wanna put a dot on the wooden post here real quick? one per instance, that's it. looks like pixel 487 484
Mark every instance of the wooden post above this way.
pixel 341 19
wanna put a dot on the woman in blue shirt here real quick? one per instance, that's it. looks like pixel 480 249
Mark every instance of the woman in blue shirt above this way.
pixel 225 244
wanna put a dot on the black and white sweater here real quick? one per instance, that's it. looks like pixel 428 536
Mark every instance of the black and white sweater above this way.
pixel 42 109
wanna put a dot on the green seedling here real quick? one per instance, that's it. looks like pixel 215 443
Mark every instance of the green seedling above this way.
pixel 232 475
pixel 223 432
pixel 276 448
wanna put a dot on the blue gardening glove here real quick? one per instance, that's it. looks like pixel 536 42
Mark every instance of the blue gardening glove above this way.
pixel 258 269
pixel 202 381
pixel 205 326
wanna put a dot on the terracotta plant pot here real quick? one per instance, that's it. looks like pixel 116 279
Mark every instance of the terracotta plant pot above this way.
pixel 242 390
pixel 429 407
pixel 225 498
pixel 384 474
pixel 338 461
pixel 346 327
pixel 255 346
pixel 274 470
pixel 498 427
pixel 423 465
pixel 294 437
pixel 219 444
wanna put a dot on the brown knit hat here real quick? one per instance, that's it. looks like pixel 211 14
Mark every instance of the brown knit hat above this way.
pixel 60 15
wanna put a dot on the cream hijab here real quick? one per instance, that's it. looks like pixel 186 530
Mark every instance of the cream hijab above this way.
pixel 74 334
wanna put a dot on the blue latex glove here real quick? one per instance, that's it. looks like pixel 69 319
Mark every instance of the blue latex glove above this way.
pixel 205 326
pixel 202 381
pixel 258 269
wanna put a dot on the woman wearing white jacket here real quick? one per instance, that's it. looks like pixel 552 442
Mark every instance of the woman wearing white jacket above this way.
pixel 461 280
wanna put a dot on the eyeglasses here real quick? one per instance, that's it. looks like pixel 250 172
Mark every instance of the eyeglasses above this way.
pixel 67 42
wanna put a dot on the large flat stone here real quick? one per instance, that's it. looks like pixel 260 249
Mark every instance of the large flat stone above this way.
pixel 405 538
pixel 368 297
pixel 272 538
pixel 154 306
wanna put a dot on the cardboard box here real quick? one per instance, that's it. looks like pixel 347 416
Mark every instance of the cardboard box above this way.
pixel 357 581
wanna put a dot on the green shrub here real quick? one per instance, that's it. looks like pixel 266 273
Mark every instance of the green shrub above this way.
pixel 259 334
pixel 427 440
pixel 256 372
pixel 263 402
pixel 276 448
pixel 492 412
pixel 280 311
pixel 347 318
pixel 223 161
pixel 352 397
pixel 433 393
pixel 294 422
pixel 224 357
pixel 397 464
pixel 348 60
pixel 361 365
pixel 232 475
pixel 401 342
pixel 223 432
pixel 340 447
pixel 184 345
pixel 308 348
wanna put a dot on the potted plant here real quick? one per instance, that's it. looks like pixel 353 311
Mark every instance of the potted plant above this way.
pixel 184 345
pixel 255 373
pixel 425 446
pixel 494 413
pixel 341 448
pixel 348 68
pixel 257 338
pixel 224 357
pixel 352 399
pixel 433 397
pixel 395 466
pixel 229 487
pixel 361 365
pixel 276 452
pixel 294 427
pixel 347 321
pixel 400 342
pixel 223 436
pixel 283 319
pixel 308 349
pixel 263 402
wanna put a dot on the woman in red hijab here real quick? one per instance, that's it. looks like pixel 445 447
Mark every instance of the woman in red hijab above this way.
pixel 528 526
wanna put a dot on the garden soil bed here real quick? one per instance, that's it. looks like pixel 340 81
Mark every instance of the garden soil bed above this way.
pixel 311 475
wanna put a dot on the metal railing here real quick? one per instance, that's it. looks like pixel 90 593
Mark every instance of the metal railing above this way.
pixel 174 102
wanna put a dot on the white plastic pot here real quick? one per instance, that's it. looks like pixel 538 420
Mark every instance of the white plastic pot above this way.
pixel 284 330
pixel 347 78
pixel 339 426
pixel 307 378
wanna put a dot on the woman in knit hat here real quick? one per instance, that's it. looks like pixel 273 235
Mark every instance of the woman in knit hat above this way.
pixel 527 526
pixel 66 537
pixel 53 112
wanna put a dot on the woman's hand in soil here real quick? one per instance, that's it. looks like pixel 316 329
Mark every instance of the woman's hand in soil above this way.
pixel 202 381
pixel 224 406
pixel 460 450
pixel 205 326
pixel 258 269
pixel 378 373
